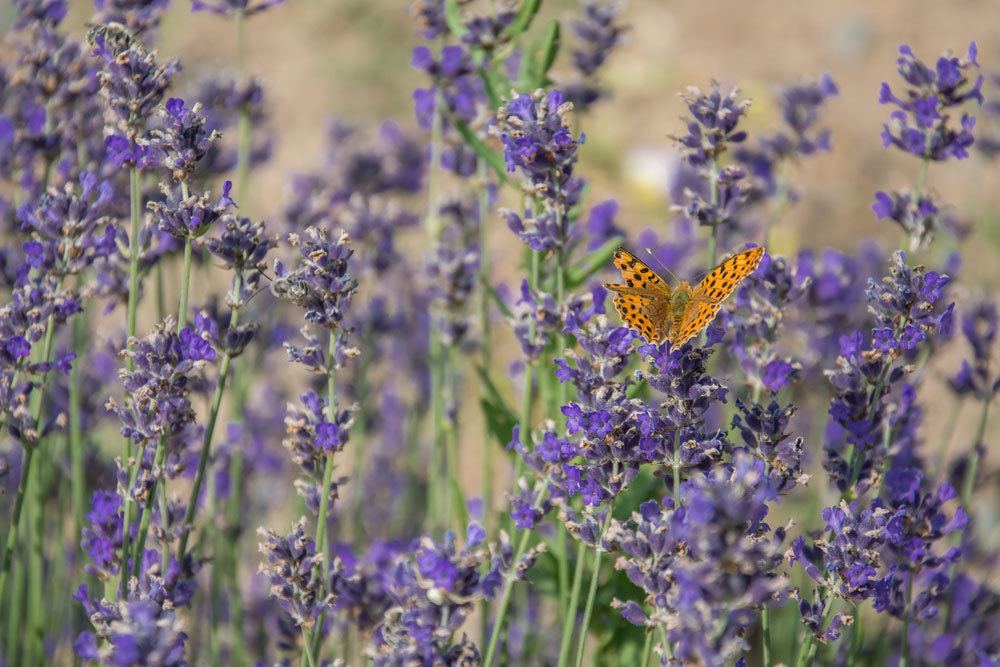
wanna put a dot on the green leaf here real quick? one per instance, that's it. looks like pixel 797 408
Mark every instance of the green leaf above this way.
pixel 492 158
pixel 493 82
pixel 538 58
pixel 453 17
pixel 495 295
pixel 593 263
pixel 525 15
pixel 500 419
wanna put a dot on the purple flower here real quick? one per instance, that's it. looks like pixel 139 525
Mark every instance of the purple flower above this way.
pixel 320 284
pixel 311 437
pixel 537 139
pixel 289 569
pixel 183 141
pixel 601 226
pixel 920 124
pixel 979 328
pixel 133 84
pixel 713 125
pixel 192 216
pixel 227 7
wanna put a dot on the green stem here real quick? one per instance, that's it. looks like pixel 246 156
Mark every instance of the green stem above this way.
pixel 594 577
pixel 765 628
pixel 485 345
pixel 904 639
pixel 647 649
pixel 135 216
pixel 213 417
pixel 76 447
pixel 569 620
pixel 677 468
pixel 29 448
pixel 126 529
pixel 522 546
pixel 140 547
pixel 324 500
pixel 182 308
pixel 232 520
pixel 808 651
pixel 308 652
pixel 35 539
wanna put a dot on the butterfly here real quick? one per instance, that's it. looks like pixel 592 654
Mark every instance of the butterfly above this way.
pixel 649 305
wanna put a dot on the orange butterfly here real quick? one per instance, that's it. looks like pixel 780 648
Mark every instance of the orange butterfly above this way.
pixel 647 304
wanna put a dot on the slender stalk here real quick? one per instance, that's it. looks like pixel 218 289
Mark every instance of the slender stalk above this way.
pixel 182 308
pixel 76 445
pixel 36 562
pixel 324 500
pixel 969 479
pixel 232 520
pixel 508 586
pixel 594 577
pixel 126 529
pixel 807 653
pixel 147 513
pixel 765 628
pixel 308 652
pixel 904 638
pixel 647 649
pixel 15 614
pixel 569 619
pixel 677 468
pixel 135 216
pixel 29 448
pixel 213 417
pixel 437 497
pixel 485 338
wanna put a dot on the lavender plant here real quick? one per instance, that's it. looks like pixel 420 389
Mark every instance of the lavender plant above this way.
pixel 405 377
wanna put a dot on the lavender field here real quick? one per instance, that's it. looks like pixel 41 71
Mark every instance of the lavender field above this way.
pixel 486 332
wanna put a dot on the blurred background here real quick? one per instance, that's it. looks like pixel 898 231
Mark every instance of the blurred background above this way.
pixel 350 59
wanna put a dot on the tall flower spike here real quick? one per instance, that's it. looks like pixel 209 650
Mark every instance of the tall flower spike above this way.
pixel 920 124
pixel 321 283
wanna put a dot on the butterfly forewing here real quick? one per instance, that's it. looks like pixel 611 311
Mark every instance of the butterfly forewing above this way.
pixel 637 274
pixel 644 300
pixel 724 279
pixel 708 296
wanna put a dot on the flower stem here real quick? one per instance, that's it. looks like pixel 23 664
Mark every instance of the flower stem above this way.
pixel 140 547
pixel 569 619
pixel 485 340
pixel 765 628
pixel 594 577
pixel 904 638
pixel 324 499
pixel 135 215
pixel 76 446
pixel 808 651
pixel 182 308
pixel 213 417
pixel 28 448
pixel 508 586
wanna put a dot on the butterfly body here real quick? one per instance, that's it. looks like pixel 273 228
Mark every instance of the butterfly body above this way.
pixel 648 304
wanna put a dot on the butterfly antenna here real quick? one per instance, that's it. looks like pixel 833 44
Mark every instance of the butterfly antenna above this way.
pixel 656 259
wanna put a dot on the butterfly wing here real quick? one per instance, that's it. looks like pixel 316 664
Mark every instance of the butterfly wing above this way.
pixel 637 273
pixel 726 277
pixel 707 298
pixel 644 300
pixel 696 317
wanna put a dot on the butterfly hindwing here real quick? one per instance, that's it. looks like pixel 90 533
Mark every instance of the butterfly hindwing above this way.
pixel 634 311
pixel 696 317
pixel 726 277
